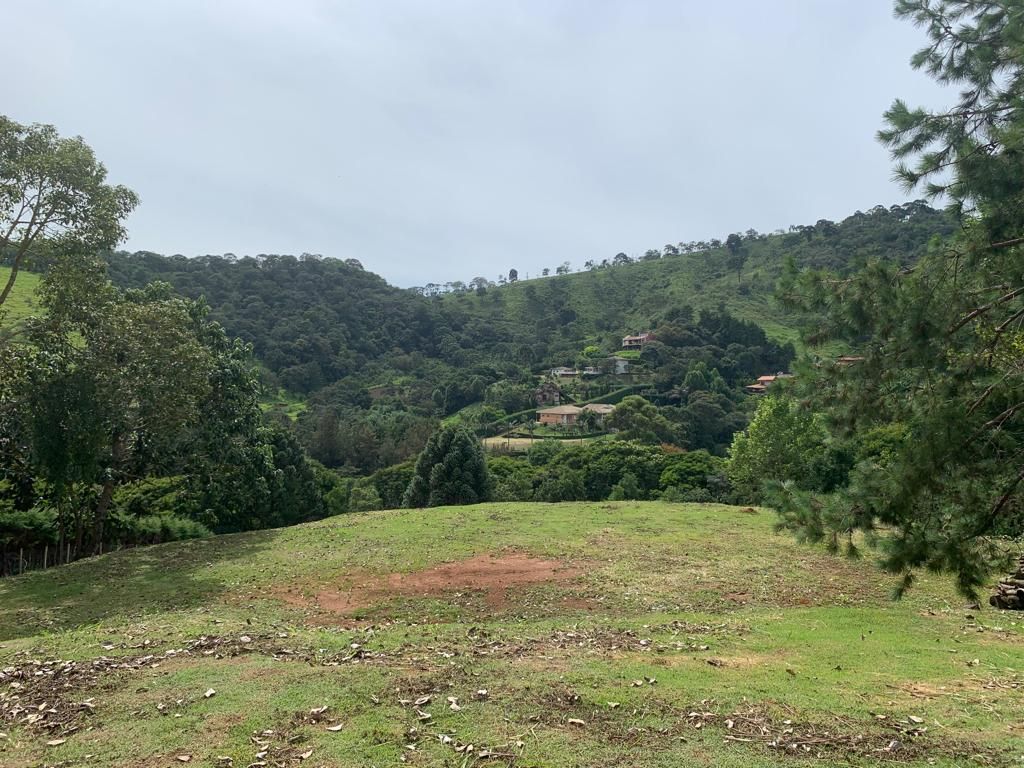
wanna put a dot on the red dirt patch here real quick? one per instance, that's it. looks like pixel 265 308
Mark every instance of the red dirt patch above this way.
pixel 492 574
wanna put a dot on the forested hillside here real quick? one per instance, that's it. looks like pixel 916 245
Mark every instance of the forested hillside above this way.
pixel 375 367
pixel 314 321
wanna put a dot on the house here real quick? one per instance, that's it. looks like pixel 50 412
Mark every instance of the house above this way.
pixel 621 366
pixel 599 409
pixel 547 393
pixel 636 342
pixel 563 372
pixel 760 386
pixel 591 371
pixel 564 415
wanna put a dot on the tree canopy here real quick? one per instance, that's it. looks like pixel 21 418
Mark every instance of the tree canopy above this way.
pixel 54 197
pixel 935 351
pixel 450 470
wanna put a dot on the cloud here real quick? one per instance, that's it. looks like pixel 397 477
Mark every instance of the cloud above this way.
pixel 442 140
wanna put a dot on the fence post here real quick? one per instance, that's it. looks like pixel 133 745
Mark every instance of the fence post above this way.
pixel 21 560
pixel 46 555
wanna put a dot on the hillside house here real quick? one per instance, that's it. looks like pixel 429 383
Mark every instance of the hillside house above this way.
pixel 600 409
pixel 563 372
pixel 547 393
pixel 564 415
pixel 621 366
pixel 636 342
pixel 760 386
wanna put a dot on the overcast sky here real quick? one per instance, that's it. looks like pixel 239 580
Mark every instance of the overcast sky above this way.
pixel 441 140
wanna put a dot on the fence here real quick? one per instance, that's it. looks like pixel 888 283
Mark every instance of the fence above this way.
pixel 15 561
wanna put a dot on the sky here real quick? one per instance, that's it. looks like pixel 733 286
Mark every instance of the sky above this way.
pixel 441 140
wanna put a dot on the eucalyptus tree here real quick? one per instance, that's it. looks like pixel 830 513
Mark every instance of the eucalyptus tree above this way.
pixel 54 196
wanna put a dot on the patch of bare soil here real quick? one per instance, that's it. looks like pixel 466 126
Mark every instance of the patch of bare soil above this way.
pixel 493 575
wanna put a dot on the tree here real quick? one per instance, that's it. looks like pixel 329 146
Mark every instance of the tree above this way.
pixel 450 470
pixel 545 272
pixel 628 488
pixel 780 444
pixel 936 349
pixel 110 387
pixel 690 469
pixel 126 377
pixel 53 194
pixel 588 421
pixel 513 275
pixel 563 269
pixel 737 253
pixel 637 419
pixel 364 498
pixel 621 259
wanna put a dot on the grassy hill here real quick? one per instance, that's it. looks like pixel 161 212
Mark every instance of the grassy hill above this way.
pixel 22 301
pixel 607 301
pixel 639 634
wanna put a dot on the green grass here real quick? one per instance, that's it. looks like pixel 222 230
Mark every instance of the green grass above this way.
pixel 285 403
pixel 22 302
pixel 723 614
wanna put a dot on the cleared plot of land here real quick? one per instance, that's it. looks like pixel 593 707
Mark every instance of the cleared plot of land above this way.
pixel 523 444
pixel 630 634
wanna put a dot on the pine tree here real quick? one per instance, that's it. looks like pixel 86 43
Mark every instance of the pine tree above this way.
pixel 936 351
pixel 450 470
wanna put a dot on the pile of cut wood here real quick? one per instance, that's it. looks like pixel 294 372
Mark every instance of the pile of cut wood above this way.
pixel 1009 594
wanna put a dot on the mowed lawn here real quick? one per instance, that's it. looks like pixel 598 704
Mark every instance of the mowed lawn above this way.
pixel 605 634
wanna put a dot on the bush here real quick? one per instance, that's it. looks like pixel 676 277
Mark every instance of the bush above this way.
pixel 626 489
pixel 364 497
pixel 336 501
pixel 560 485
pixel 603 464
pixel 541 454
pixel 155 529
pixel 512 478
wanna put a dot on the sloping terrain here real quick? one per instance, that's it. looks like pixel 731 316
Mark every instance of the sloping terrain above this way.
pixel 633 634
pixel 22 302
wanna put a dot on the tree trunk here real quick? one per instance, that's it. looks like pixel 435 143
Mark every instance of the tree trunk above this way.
pixel 10 281
pixel 102 506
pixel 107 494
